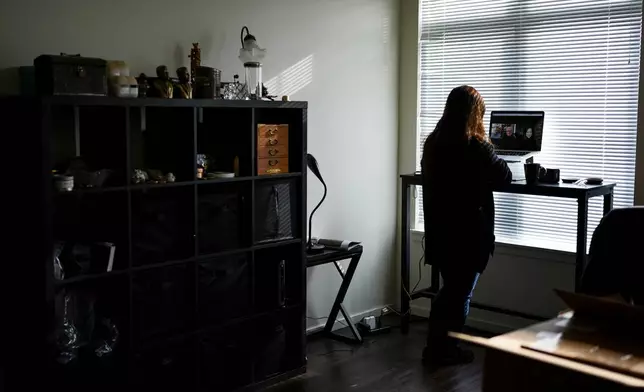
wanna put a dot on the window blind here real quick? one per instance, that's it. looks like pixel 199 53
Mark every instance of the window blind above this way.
pixel 576 60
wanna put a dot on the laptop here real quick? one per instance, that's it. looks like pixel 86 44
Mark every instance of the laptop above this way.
pixel 516 136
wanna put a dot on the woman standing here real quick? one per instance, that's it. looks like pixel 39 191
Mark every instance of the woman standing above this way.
pixel 459 170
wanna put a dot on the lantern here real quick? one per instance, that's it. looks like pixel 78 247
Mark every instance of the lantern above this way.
pixel 251 55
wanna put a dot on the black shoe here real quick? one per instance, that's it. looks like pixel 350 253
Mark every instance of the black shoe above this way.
pixel 450 356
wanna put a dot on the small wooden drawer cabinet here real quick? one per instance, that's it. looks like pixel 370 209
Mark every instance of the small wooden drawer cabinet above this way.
pixel 272 149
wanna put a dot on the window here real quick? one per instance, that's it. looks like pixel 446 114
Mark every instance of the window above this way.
pixel 576 60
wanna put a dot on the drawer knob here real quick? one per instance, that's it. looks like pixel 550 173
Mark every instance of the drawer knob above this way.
pixel 272 142
pixel 273 162
pixel 273 151
pixel 272 132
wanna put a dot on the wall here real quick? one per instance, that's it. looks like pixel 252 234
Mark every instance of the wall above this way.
pixel 408 82
pixel 518 278
pixel 407 107
pixel 340 55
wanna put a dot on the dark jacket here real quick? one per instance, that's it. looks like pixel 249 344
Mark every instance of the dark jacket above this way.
pixel 616 259
pixel 458 205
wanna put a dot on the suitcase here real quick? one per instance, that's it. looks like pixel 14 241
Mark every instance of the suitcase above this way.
pixel 70 75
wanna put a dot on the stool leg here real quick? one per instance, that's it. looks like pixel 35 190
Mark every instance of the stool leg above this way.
pixel 342 292
pixel 351 325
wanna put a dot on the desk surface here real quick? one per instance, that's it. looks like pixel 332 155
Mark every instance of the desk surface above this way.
pixel 556 190
pixel 512 343
pixel 331 255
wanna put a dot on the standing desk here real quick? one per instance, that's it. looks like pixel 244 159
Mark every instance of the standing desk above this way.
pixel 582 193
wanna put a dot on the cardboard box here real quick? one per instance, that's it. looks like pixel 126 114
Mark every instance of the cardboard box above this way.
pixel 600 348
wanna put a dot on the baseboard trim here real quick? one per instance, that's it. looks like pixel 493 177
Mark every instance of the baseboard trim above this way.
pixel 478 319
pixel 482 320
pixel 420 311
pixel 338 325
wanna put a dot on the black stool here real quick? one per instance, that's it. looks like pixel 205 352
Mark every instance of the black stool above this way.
pixel 334 256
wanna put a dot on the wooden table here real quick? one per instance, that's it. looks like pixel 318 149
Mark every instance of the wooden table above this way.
pixel 511 367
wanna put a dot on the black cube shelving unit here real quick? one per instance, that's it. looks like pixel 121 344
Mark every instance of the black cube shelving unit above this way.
pixel 200 297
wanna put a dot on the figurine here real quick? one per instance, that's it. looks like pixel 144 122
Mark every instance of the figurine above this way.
pixel 139 176
pixel 156 176
pixel 266 94
pixel 183 89
pixel 203 161
pixel 195 60
pixel 162 85
pixel 143 85
pixel 170 177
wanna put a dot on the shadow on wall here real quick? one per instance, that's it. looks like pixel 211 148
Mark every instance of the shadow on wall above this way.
pixel 292 79
pixel 386 30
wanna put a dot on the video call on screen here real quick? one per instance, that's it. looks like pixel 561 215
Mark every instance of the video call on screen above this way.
pixel 517 132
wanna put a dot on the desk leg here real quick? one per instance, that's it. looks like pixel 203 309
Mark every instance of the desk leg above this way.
pixel 405 236
pixel 337 305
pixel 582 232
pixel 608 203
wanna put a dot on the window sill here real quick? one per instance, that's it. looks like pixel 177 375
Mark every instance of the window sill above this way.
pixel 518 250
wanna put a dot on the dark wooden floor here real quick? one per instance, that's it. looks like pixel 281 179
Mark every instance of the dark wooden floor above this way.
pixel 389 362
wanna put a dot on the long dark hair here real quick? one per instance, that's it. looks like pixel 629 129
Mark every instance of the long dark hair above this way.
pixel 463 116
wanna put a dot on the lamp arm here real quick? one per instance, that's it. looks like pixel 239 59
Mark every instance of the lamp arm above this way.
pixel 242 35
pixel 313 212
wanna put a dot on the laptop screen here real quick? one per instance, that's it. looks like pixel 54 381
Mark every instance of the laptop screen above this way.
pixel 517 131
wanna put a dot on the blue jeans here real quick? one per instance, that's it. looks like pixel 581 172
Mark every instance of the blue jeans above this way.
pixel 452 304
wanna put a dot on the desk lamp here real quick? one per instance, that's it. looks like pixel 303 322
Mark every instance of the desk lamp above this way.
pixel 312 163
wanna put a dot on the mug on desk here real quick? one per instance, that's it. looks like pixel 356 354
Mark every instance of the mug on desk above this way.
pixel 533 172
pixel 550 176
